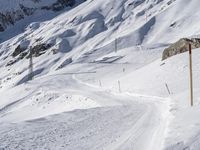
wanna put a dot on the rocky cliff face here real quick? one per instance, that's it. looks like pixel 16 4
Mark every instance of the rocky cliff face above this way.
pixel 10 17
pixel 180 46
pixel 22 9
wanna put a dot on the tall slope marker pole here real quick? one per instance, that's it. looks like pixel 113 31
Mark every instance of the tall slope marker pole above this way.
pixel 191 76
pixel 31 65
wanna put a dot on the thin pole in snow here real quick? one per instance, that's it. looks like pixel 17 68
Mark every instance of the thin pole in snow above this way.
pixel 119 84
pixel 191 76
pixel 167 89
pixel 31 65
pixel 100 83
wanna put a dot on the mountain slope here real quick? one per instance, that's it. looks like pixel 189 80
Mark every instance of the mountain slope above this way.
pixel 101 59
pixel 18 14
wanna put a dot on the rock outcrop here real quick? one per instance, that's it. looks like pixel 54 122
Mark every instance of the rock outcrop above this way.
pixel 180 46
pixel 40 49
pixel 59 5
pixel 21 52
pixel 10 17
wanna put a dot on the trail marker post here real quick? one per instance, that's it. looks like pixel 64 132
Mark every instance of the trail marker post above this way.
pixel 191 75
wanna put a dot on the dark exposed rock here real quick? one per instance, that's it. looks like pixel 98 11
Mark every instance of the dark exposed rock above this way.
pixel 59 5
pixel 22 55
pixel 65 63
pixel 27 11
pixel 11 17
pixel 39 49
pixel 67 2
pixel 180 46
pixel 173 25
pixel 11 62
pixel 36 1
pixel 55 51
pixel 18 51
pixel 1 28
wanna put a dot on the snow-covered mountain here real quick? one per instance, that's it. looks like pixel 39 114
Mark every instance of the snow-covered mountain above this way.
pixel 12 11
pixel 99 82
pixel 16 15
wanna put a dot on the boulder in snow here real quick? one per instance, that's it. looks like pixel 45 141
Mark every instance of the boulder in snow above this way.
pixel 180 46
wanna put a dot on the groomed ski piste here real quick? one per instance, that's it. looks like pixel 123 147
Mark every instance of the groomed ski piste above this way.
pixel 106 86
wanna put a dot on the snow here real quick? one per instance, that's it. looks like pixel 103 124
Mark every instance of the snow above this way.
pixel 50 133
pixel 94 94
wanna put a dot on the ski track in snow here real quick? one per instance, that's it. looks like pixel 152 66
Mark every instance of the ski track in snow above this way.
pixel 98 48
pixel 135 119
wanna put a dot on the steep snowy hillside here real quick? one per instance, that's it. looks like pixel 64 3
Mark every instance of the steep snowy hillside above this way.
pixel 99 82
pixel 15 15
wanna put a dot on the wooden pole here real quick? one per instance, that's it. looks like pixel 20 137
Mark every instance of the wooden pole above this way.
pixel 191 76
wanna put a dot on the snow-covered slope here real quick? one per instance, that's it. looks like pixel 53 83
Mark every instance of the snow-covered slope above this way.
pixel 15 15
pixel 99 82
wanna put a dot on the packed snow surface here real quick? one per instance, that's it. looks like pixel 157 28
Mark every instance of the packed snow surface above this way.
pixel 101 83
